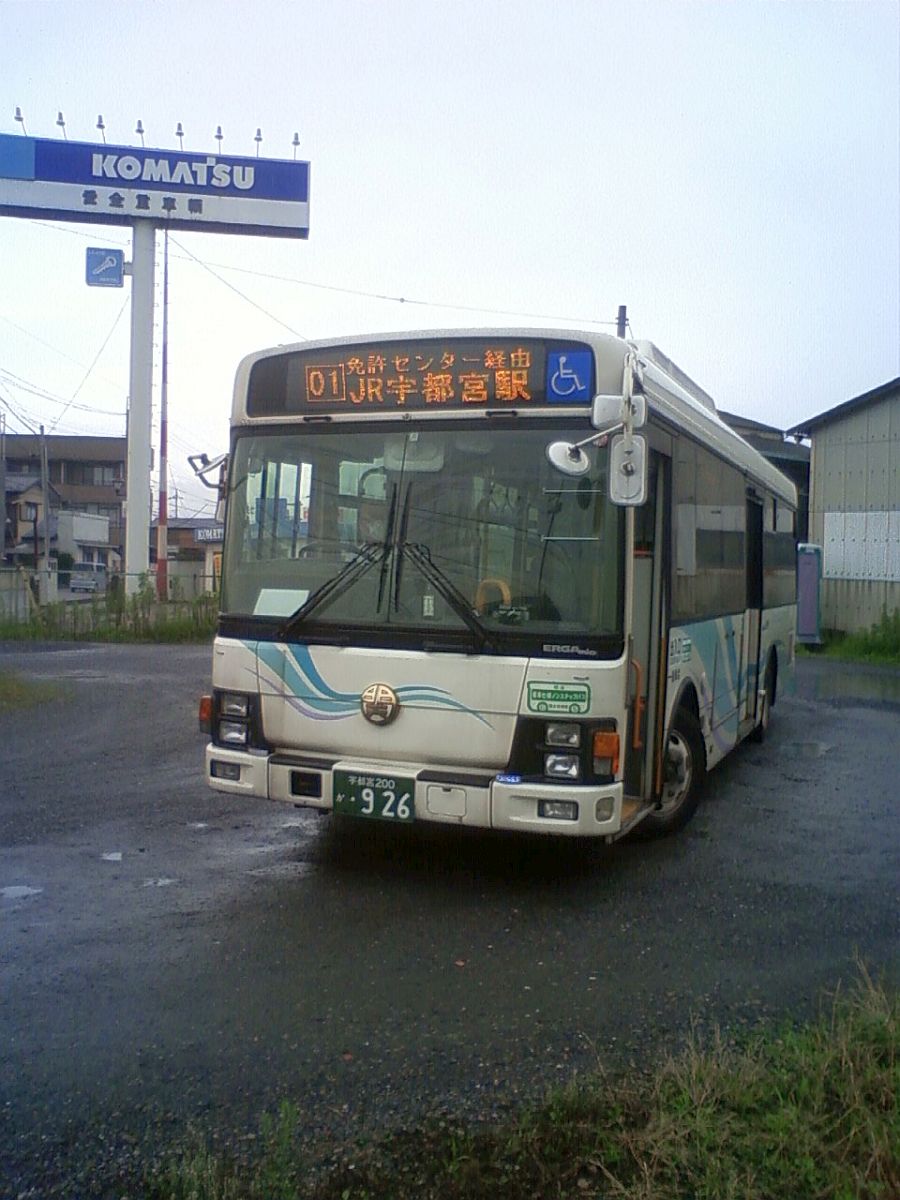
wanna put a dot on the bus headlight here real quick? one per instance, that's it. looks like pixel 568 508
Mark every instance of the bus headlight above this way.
pixel 232 733
pixel 225 770
pixel 562 766
pixel 237 722
pixel 234 704
pixel 604 808
pixel 563 733
pixel 558 810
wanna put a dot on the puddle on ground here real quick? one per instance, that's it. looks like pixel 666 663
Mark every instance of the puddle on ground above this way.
pixel 19 892
pixel 285 870
pixel 810 749
pixel 844 685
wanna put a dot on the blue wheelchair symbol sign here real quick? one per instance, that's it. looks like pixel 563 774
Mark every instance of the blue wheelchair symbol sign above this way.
pixel 104 268
pixel 569 377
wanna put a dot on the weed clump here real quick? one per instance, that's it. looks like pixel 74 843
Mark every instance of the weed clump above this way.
pixel 807 1111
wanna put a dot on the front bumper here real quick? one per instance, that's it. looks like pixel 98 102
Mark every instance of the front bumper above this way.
pixel 467 798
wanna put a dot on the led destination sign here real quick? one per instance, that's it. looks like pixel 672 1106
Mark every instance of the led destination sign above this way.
pixel 447 374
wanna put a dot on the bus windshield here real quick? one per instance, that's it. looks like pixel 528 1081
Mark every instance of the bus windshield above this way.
pixel 456 531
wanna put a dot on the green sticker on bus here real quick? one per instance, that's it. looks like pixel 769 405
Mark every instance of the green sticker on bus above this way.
pixel 571 698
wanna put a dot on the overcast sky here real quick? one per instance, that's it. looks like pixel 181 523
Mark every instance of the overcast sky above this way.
pixel 730 171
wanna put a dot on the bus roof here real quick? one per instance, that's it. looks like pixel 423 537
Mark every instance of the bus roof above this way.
pixel 672 395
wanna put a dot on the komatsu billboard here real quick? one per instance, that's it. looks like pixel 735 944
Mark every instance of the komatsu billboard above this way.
pixel 117 185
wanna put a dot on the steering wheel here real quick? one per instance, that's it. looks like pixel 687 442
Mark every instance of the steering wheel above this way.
pixel 361 491
pixel 484 586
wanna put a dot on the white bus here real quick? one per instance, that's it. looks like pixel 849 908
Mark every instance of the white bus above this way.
pixel 519 580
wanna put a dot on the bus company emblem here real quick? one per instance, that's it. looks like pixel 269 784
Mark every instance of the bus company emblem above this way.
pixel 380 704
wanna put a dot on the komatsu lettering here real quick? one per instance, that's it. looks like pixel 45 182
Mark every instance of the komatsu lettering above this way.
pixel 206 172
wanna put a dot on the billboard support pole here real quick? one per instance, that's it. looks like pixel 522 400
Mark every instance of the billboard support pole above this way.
pixel 162 522
pixel 137 496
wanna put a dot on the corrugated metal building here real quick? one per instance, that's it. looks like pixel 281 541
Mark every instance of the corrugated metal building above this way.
pixel 790 457
pixel 854 506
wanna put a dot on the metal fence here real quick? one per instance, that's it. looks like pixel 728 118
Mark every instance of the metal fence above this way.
pixel 66 603
pixel 16 598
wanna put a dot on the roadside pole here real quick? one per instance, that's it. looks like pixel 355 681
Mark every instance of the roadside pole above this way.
pixel 137 494
pixel 162 524
pixel 2 489
pixel 44 589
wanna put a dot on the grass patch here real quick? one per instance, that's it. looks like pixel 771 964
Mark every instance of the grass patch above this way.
pixel 806 1111
pixel 113 617
pixel 17 693
pixel 880 644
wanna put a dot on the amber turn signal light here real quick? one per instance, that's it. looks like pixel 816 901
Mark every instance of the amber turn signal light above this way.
pixel 606 752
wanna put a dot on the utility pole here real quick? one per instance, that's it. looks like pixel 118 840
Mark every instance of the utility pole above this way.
pixel 622 322
pixel 44 586
pixel 162 525
pixel 2 489
pixel 137 500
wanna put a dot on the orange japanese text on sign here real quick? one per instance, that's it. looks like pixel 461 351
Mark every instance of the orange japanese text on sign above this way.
pixel 437 388
pixel 474 388
pixel 402 386
pixel 511 385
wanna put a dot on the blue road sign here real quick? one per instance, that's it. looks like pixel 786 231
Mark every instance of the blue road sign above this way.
pixel 104 268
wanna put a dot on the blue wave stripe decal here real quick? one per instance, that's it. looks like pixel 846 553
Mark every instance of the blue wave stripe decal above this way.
pixel 302 686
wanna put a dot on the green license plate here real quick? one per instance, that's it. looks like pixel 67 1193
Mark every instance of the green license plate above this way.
pixel 383 797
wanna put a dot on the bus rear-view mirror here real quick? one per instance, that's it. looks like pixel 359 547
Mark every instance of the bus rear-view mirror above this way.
pixel 606 411
pixel 628 470
pixel 413 452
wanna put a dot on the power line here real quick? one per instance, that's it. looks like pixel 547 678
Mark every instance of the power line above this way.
pixel 25 385
pixel 238 292
pixel 91 237
pixel 22 420
pixel 348 291
pixel 87 375
pixel 48 346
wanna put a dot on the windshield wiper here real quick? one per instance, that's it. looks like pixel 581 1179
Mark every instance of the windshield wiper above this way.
pixel 401 541
pixel 360 564
pixel 388 538
pixel 421 556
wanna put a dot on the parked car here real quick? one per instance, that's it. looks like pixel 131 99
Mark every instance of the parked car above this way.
pixel 88 577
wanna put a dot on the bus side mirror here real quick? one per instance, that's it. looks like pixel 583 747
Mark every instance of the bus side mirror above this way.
pixel 606 411
pixel 628 470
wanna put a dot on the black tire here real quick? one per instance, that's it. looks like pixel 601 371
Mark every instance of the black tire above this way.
pixel 684 773
pixel 758 734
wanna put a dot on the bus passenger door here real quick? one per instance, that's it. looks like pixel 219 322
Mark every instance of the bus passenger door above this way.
pixel 647 625
pixel 753 613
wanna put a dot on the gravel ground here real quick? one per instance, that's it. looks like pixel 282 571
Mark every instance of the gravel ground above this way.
pixel 172 956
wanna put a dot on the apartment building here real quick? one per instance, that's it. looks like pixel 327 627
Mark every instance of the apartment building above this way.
pixel 87 475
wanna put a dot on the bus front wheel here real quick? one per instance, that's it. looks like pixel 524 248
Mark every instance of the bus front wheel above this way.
pixel 684 771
